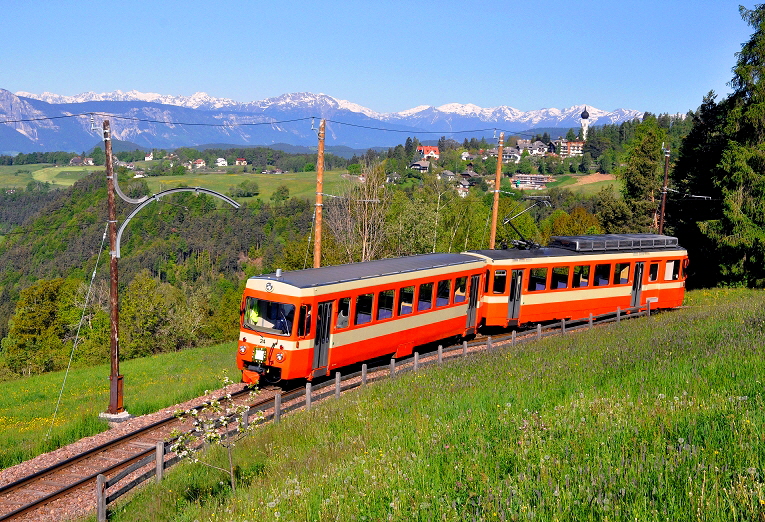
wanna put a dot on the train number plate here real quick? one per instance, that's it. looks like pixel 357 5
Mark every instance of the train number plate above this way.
pixel 259 355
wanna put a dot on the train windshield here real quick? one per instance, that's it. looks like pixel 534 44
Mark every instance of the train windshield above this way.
pixel 268 316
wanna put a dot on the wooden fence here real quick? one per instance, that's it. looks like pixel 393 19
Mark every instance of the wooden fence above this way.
pixel 314 393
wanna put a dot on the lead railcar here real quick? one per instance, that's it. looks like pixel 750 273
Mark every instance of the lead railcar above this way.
pixel 304 323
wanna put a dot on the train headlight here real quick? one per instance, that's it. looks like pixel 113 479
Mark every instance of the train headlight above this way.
pixel 242 349
pixel 280 357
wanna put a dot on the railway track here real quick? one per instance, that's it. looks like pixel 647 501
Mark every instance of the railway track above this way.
pixel 24 497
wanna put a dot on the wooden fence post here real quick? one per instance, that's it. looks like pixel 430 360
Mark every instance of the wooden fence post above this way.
pixel 160 460
pixel 440 354
pixel 277 407
pixel 464 347
pixel 539 331
pixel 488 343
pixel 512 337
pixel 618 314
pixel 101 498
pixel 246 419
pixel 563 325
pixel 308 396
pixel 416 360
pixel 393 367
pixel 364 374
pixel 648 308
pixel 337 385
pixel 589 323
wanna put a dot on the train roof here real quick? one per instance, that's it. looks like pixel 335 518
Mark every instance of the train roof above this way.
pixel 595 244
pixel 328 275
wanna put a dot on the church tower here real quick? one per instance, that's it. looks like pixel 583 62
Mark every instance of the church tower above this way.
pixel 585 123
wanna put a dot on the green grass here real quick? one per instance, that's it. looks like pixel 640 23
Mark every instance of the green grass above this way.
pixel 562 181
pixel 17 176
pixel 300 184
pixel 653 419
pixel 590 189
pixel 150 384
pixel 64 176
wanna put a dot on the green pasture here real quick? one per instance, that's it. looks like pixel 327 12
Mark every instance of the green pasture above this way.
pixel 591 189
pixel 656 418
pixel 17 176
pixel 27 405
pixel 300 184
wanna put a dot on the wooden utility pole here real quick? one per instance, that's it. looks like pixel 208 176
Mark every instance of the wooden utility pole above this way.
pixel 115 379
pixel 497 180
pixel 319 196
pixel 664 190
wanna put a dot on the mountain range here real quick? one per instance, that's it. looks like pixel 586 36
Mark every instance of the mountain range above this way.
pixel 49 122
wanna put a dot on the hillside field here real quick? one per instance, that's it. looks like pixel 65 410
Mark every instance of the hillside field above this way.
pixel 657 418
pixel 300 184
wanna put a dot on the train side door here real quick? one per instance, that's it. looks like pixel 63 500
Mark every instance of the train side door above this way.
pixel 321 344
pixel 475 280
pixel 514 299
pixel 637 284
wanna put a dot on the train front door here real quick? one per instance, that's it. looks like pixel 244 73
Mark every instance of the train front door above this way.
pixel 637 284
pixel 321 344
pixel 514 300
pixel 475 281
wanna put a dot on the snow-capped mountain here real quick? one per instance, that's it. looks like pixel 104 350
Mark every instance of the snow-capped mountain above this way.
pixel 282 119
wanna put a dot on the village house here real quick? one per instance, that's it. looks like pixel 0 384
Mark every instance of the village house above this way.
pixel 422 166
pixel 566 149
pixel 149 157
pixel 200 163
pixel 428 152
pixel 221 162
pixel 241 161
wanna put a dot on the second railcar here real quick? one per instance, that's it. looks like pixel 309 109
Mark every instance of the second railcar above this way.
pixel 304 323
pixel 579 275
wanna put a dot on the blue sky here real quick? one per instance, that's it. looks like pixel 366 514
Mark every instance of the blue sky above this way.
pixel 661 56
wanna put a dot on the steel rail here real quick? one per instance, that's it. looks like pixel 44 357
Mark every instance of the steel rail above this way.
pixel 61 466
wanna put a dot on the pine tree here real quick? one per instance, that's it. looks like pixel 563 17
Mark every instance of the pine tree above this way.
pixel 730 138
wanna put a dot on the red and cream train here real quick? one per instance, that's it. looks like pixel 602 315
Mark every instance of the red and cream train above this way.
pixel 305 323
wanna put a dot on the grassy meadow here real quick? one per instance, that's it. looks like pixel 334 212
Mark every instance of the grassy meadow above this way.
pixel 656 418
pixel 300 184
pixel 17 176
pixel 27 405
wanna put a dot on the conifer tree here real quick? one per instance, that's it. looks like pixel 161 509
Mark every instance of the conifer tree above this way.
pixel 725 154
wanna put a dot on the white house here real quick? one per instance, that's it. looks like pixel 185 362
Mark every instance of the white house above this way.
pixel 149 156
pixel 221 162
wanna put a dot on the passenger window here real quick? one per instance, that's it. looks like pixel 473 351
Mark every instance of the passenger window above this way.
pixel 602 275
pixel 559 277
pixel 460 289
pixel 581 276
pixel 343 312
pixel 425 297
pixel 442 292
pixel 622 274
pixel 653 272
pixel 304 322
pixel 385 304
pixel 364 308
pixel 537 279
pixel 672 270
pixel 405 300
pixel 500 281
pixel 486 283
